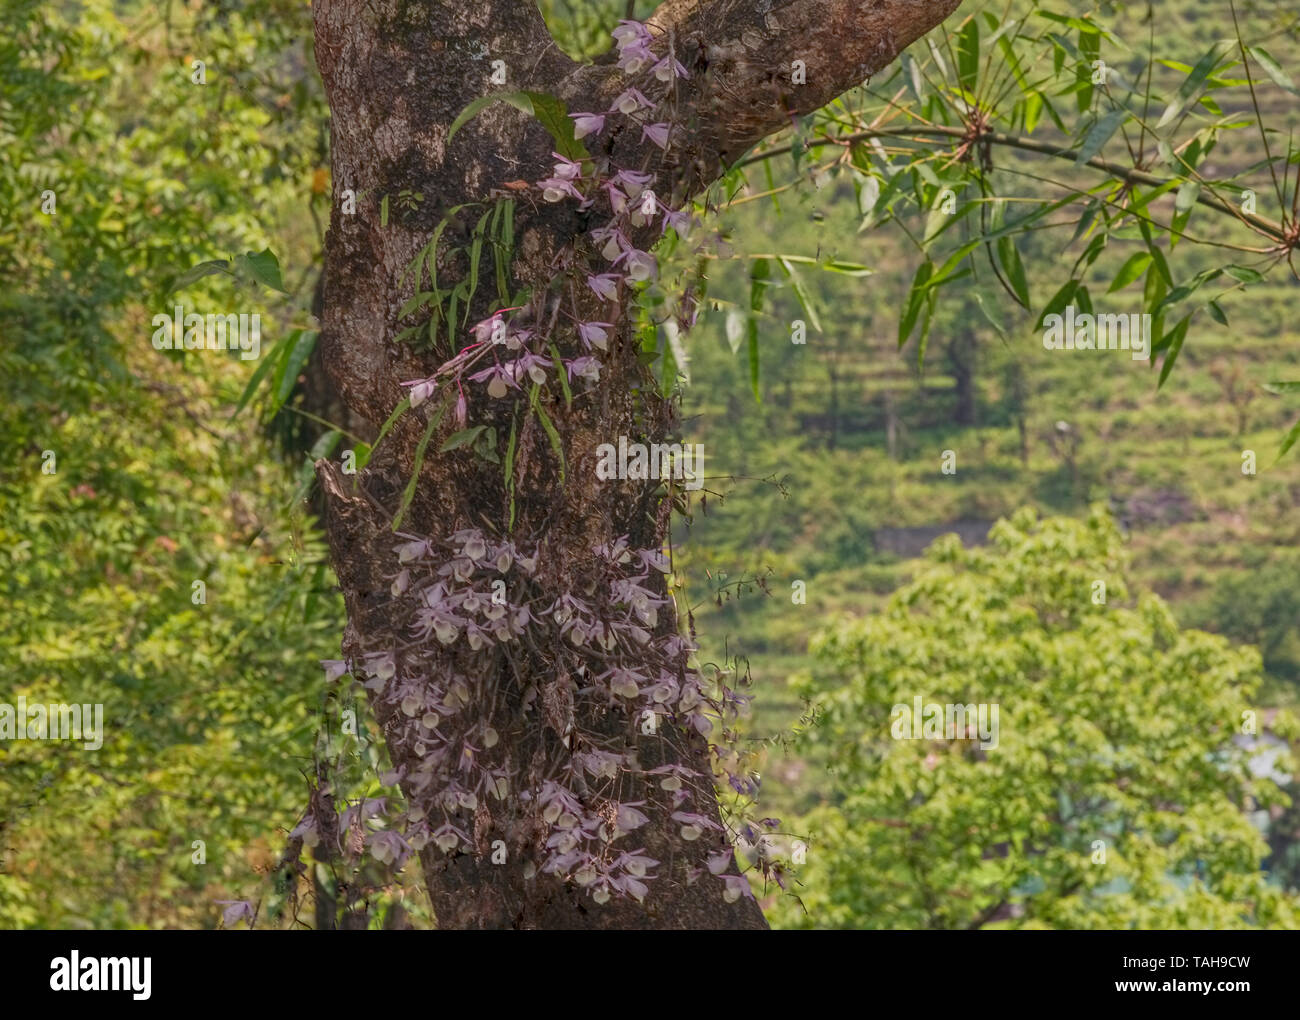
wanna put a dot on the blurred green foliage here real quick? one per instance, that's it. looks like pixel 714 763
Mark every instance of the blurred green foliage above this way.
pixel 209 707
pixel 1113 795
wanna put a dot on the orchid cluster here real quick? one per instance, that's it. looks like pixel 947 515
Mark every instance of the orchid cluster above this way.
pixel 516 344
pixel 475 614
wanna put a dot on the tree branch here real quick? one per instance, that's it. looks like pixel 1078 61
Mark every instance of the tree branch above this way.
pixel 753 65
pixel 1127 174
pixel 750 48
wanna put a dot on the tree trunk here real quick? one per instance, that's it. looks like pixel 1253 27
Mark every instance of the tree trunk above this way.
pixel 482 732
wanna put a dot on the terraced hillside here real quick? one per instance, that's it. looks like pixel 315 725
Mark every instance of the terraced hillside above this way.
pixel 836 477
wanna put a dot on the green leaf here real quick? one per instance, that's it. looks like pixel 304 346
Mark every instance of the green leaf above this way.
pixel 931 299
pixel 771 186
pixel 1155 288
pixel 301 343
pixel 209 268
pixel 1009 256
pixel 988 316
pixel 1244 274
pixel 758 283
pixel 1175 344
pixel 562 375
pixel 1187 195
pixel 408 494
pixel 509 469
pixel 548 110
pixel 415 301
pixel 751 338
pixel 801 292
pixel 842 267
pixel 1099 134
pixel 1033 110
pixel 968 55
pixel 269 360
pixel 1272 68
pixel 462 437
pixel 431 260
pixel 826 264
pixel 1185 290
pixel 1191 85
pixel 1282 387
pixel 1085 221
pixel 551 432
pixel 759 273
pixel 325 445
pixel 1289 441
pixel 1134 266
pixel 915 297
pixel 486 446
pixel 1089 51
pixel 508 224
pixel 1058 302
pixel 398 411
pixel 1083 299
pixel 500 250
pixel 1158 258
pixel 476 253
pixel 263 267
pixel 555 118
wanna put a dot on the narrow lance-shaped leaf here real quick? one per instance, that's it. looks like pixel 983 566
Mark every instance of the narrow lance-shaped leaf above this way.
pixel 915 297
pixel 286 374
pixel 758 277
pixel 408 494
pixel 549 428
pixel 1175 345
pixel 1289 440
pixel 1100 133
pixel 968 55
pixel 1058 301
pixel 363 457
pixel 458 439
pixel 1191 85
pixel 1134 266
pixel 269 361
pixel 802 293
pixel 1009 256
pixel 1272 68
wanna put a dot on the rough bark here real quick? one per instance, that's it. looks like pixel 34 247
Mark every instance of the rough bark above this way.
pixel 397 73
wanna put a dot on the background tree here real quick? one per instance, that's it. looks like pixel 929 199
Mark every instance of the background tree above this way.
pixel 1114 750
pixel 209 707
